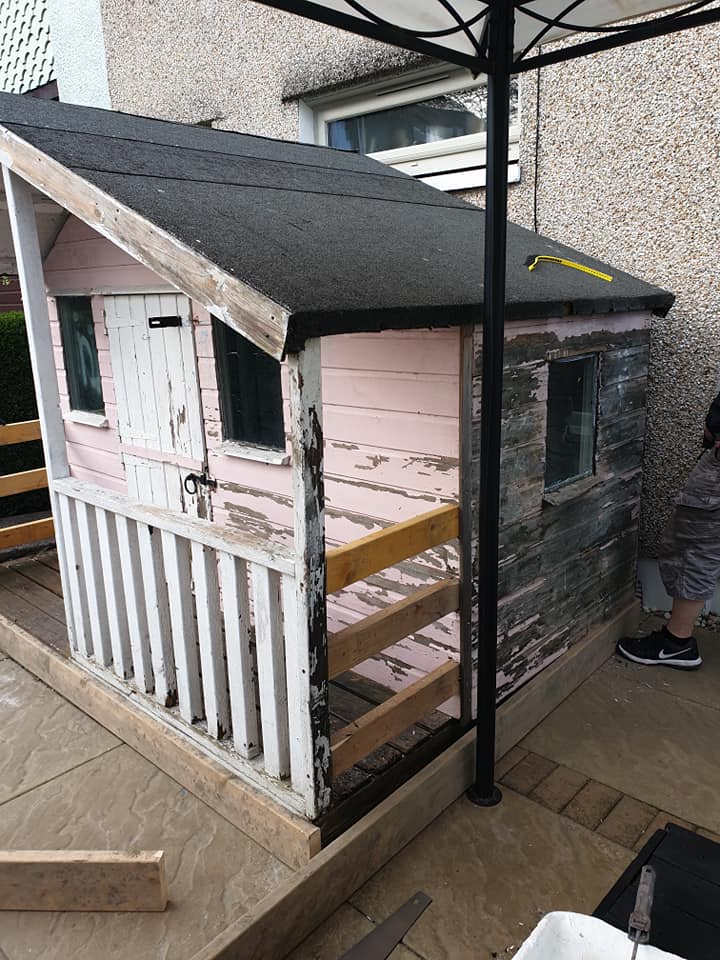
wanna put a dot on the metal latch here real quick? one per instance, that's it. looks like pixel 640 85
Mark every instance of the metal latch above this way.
pixel 193 481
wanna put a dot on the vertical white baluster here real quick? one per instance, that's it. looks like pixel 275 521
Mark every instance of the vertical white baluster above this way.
pixel 184 638
pixel 134 602
pixel 271 670
pixel 236 610
pixel 94 585
pixel 78 595
pixel 158 615
pixel 114 594
pixel 207 606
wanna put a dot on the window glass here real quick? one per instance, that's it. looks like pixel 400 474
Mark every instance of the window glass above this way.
pixel 250 390
pixel 427 121
pixel 572 395
pixel 77 329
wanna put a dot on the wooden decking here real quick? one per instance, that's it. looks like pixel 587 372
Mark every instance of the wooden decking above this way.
pixel 31 595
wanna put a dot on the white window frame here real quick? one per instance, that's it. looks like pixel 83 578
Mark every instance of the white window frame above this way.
pixel 454 164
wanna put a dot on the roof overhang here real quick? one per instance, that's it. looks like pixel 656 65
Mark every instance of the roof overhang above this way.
pixel 252 314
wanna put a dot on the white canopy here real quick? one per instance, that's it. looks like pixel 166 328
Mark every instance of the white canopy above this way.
pixel 452 30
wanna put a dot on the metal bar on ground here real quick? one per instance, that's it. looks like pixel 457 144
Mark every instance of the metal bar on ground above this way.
pixel 380 942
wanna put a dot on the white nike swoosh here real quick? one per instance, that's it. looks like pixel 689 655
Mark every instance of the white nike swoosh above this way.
pixel 668 656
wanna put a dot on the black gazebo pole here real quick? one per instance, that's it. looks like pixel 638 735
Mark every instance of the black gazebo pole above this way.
pixel 500 29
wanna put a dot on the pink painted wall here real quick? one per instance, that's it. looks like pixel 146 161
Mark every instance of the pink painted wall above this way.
pixel 83 263
pixel 391 421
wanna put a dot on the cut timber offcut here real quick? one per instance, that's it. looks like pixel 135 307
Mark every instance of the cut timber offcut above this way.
pixel 108 880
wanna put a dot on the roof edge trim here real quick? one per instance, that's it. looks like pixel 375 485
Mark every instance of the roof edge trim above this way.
pixel 250 313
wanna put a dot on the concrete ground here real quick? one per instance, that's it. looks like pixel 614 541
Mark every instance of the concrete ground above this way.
pixel 67 783
pixel 631 749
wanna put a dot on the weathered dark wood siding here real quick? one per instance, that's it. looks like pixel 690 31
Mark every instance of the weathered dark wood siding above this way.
pixel 567 560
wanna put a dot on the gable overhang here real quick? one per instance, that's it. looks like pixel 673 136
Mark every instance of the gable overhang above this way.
pixel 253 315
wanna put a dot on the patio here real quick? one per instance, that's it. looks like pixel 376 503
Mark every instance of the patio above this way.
pixel 630 750
pixel 581 794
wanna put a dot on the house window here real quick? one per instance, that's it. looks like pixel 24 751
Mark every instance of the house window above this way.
pixel 571 415
pixel 431 126
pixel 77 329
pixel 250 390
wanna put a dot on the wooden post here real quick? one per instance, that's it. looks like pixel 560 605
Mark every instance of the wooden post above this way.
pixel 42 358
pixel 468 523
pixel 306 649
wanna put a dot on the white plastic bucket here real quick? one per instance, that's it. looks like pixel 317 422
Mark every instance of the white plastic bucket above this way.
pixel 573 936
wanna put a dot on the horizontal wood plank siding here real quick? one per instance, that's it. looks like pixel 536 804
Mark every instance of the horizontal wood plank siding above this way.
pixel 391 424
pixel 569 565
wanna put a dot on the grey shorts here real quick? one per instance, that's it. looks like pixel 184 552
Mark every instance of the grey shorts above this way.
pixel 689 557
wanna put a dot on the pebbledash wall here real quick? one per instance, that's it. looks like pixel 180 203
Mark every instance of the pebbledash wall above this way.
pixel 618 157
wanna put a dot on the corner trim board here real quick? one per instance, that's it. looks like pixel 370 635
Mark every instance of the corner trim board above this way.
pixel 242 308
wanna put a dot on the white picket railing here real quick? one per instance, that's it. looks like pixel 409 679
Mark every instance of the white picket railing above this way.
pixel 190 616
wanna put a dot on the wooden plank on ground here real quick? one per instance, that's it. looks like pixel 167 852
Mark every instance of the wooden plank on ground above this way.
pixel 21 533
pixel 108 880
pixel 390 718
pixel 369 636
pixel 361 558
pixel 23 482
pixel 19 432
pixel 21 609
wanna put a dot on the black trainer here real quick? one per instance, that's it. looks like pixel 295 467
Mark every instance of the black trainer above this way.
pixel 661 649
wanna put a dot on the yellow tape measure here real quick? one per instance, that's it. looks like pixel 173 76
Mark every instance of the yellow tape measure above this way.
pixel 569 263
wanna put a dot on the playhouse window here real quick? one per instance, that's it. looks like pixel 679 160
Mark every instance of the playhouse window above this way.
pixel 431 125
pixel 77 329
pixel 570 444
pixel 250 390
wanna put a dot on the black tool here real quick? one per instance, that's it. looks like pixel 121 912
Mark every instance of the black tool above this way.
pixel 639 923
pixel 380 942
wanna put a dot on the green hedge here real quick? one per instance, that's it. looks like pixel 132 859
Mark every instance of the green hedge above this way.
pixel 17 403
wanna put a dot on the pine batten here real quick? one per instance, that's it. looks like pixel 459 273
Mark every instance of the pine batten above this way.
pixel 158 614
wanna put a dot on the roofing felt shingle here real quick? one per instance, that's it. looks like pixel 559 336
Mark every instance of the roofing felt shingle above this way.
pixel 341 241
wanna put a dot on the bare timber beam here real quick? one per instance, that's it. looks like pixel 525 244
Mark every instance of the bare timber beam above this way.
pixel 359 559
pixel 108 880
pixel 369 636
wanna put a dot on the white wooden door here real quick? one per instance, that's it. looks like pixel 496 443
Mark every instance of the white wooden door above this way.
pixel 152 351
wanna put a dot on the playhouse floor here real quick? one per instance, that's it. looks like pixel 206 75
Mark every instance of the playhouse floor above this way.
pixel 633 748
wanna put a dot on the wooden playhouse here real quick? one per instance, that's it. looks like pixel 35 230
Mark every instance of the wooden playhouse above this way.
pixel 257 366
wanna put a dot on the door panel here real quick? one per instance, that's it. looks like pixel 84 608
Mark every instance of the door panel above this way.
pixel 158 398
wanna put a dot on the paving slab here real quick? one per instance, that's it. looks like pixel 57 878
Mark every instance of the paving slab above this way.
pixel 121 801
pixel 42 734
pixel 492 874
pixel 640 740
pixel 698 686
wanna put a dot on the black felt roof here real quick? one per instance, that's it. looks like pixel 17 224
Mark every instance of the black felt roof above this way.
pixel 341 241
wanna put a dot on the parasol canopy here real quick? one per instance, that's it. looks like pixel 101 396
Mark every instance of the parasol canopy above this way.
pixel 456 30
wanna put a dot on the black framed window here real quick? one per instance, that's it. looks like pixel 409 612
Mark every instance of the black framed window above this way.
pixel 571 418
pixel 250 390
pixel 77 330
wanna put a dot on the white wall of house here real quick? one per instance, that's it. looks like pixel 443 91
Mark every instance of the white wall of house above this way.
pixel 79 47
